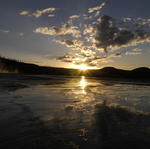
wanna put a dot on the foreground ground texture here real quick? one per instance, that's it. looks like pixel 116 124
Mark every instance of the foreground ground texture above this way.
pixel 43 112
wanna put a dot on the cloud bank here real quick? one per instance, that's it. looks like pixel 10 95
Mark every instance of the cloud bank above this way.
pixel 99 38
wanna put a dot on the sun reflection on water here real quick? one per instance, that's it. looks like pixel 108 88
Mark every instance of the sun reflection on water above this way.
pixel 82 90
pixel 83 84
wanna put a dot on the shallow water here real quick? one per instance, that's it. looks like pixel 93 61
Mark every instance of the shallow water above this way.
pixel 64 104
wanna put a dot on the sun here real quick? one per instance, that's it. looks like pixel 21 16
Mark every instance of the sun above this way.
pixel 83 67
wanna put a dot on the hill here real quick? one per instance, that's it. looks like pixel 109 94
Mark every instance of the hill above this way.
pixel 14 66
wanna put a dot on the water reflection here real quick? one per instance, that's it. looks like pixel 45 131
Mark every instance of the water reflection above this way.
pixel 61 114
pixel 83 84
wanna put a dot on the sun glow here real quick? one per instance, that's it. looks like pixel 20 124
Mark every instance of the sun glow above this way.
pixel 83 67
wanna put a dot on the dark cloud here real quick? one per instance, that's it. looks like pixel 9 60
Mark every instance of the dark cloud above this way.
pixel 109 35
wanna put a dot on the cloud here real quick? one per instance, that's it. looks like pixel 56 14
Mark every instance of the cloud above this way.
pixel 72 18
pixel 125 20
pixel 109 35
pixel 97 8
pixel 39 13
pixel 63 30
pixel 73 44
pixel 138 22
pixel 51 15
pixel 100 39
pixel 88 30
pixel 89 58
pixel 94 12
pixel 143 22
pixel 135 51
pixel 4 31
pixel 21 34
pixel 25 13
pixel 66 58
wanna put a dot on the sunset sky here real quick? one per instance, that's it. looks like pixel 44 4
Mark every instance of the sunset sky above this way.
pixel 66 33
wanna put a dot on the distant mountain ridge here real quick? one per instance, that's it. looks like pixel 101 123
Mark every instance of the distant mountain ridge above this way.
pixel 14 66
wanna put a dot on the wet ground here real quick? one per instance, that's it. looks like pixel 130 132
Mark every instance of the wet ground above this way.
pixel 73 112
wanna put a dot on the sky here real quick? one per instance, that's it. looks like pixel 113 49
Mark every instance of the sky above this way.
pixel 68 33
